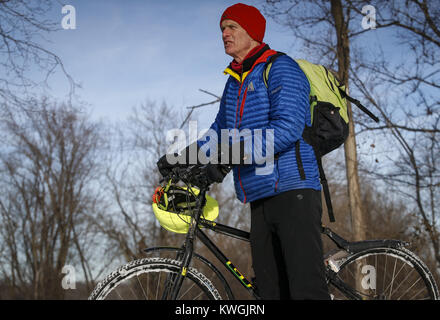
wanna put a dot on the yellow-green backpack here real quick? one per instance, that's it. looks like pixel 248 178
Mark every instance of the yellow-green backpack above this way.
pixel 329 116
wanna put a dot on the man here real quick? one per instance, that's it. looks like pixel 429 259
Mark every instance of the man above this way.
pixel 285 202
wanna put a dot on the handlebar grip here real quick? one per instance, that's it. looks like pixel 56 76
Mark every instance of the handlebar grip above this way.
pixel 181 173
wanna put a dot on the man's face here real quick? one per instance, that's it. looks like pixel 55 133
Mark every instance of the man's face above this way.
pixel 236 40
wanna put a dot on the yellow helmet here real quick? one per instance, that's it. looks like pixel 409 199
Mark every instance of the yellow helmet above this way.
pixel 173 205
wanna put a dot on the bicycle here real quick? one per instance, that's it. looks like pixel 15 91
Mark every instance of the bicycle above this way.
pixel 372 269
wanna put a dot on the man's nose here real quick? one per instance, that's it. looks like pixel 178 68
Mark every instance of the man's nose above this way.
pixel 225 34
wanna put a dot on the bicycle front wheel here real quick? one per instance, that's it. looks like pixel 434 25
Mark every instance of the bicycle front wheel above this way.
pixel 386 274
pixel 153 279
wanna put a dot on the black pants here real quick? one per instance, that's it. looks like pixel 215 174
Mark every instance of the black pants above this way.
pixel 286 246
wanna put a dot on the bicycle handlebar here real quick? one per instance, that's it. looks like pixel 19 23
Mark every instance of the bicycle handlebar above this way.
pixel 191 174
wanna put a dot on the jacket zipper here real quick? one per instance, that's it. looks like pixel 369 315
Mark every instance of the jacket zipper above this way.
pixel 241 115
pixel 235 126
pixel 238 104
pixel 242 106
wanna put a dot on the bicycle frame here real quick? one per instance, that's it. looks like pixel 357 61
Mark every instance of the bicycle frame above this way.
pixel 229 231
pixel 186 253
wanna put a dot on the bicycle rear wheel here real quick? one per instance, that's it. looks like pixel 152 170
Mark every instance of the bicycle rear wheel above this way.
pixel 152 279
pixel 386 274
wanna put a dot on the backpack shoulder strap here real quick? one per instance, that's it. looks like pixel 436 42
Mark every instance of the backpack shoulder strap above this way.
pixel 325 188
pixel 269 65
pixel 358 104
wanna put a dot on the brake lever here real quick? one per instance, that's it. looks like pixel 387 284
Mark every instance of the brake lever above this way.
pixel 186 173
pixel 173 175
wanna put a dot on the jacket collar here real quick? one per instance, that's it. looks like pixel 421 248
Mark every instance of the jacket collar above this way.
pixel 249 60
pixel 250 63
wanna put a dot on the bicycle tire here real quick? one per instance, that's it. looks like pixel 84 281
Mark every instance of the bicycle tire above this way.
pixel 384 273
pixel 122 281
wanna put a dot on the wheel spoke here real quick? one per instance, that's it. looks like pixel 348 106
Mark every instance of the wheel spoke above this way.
pixel 385 272
pixel 158 273
pixel 408 289
pixel 117 292
pixel 402 278
pixel 142 287
pixel 192 286
pixel 198 296
pixel 392 277
pixel 157 287
pixel 421 290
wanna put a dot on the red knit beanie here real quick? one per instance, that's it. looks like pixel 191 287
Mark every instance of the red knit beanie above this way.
pixel 249 18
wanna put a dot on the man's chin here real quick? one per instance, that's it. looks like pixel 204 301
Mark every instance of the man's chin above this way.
pixel 229 52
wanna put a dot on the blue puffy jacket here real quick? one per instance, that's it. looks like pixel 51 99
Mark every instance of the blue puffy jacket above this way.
pixel 283 107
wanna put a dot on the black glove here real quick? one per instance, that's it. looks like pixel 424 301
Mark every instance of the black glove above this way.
pixel 203 176
pixel 209 172
pixel 164 166
pixel 216 172
pixel 183 161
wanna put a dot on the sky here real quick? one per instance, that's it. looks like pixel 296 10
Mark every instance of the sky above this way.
pixel 124 53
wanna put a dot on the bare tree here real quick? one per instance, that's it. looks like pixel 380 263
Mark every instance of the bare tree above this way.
pixel 131 178
pixel 130 224
pixel 49 168
pixel 23 26
pixel 406 95
pixel 323 28
pixel 132 175
pixel 404 91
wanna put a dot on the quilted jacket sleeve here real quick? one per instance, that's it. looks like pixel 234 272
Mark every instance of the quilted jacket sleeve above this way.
pixel 288 90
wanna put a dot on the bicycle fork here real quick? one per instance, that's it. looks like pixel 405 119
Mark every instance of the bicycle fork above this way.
pixel 176 281
pixel 171 278
pixel 173 283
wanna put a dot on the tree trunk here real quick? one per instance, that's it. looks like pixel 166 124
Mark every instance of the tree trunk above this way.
pixel 343 57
